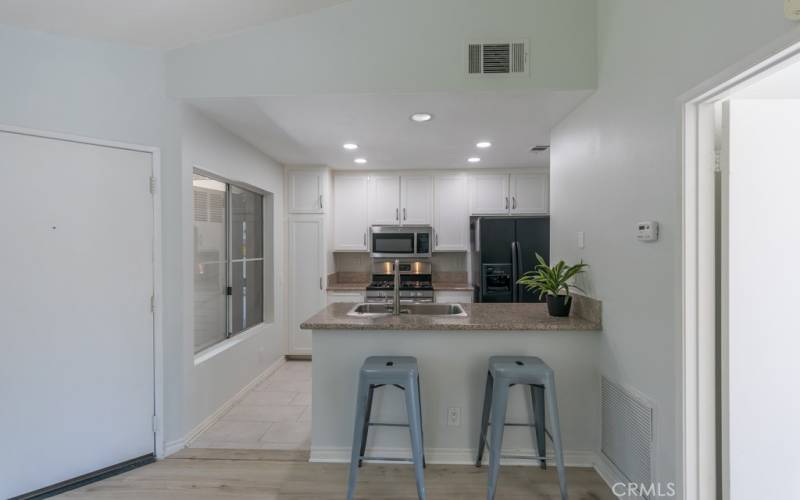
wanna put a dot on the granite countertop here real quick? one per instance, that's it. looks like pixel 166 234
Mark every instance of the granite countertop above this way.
pixel 484 317
pixel 347 287
pixel 452 286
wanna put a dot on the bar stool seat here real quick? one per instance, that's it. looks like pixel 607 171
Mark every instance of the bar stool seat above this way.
pixel 376 372
pixel 504 372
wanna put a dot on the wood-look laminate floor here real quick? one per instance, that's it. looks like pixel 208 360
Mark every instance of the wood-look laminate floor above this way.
pixel 200 474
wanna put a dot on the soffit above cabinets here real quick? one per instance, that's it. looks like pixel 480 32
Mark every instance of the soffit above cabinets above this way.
pixel 310 130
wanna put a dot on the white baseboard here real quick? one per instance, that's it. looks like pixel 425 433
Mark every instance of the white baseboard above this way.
pixel 222 410
pixel 449 456
pixel 173 447
pixel 610 474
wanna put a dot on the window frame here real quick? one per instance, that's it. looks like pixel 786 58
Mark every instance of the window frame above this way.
pixel 229 261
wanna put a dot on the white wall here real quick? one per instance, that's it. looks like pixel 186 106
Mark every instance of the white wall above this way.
pixel 212 382
pixel 388 46
pixel 113 92
pixel 616 160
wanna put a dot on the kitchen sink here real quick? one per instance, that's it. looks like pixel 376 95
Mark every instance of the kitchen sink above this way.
pixel 384 309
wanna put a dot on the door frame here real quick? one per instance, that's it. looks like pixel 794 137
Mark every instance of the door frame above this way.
pixel 697 369
pixel 158 298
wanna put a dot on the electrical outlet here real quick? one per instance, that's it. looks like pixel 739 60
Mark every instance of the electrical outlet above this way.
pixel 454 417
pixel 581 239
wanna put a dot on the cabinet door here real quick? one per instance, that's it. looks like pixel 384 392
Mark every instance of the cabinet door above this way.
pixel 384 199
pixel 530 193
pixel 305 191
pixel 416 193
pixel 350 220
pixel 306 294
pixel 450 213
pixel 489 194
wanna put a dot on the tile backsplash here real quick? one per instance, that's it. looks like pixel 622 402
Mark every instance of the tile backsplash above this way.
pixel 455 262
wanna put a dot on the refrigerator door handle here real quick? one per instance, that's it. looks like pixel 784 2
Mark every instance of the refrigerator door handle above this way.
pixel 518 290
pixel 514 270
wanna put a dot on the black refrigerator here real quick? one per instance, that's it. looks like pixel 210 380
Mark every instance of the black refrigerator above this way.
pixel 503 249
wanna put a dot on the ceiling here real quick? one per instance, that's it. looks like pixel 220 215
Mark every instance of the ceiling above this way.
pixel 153 23
pixel 310 130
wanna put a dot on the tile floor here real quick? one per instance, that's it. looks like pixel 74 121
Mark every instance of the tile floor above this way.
pixel 275 415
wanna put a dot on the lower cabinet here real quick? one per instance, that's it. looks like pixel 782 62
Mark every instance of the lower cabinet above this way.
pixel 334 297
pixel 453 297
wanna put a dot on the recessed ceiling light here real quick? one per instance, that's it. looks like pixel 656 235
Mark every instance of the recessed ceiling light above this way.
pixel 473 159
pixel 421 117
pixel 360 161
pixel 350 146
pixel 484 144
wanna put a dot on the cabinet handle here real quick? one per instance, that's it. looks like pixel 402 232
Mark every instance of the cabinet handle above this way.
pixel 397 213
pixel 514 202
pixel 436 239
pixel 320 201
pixel 365 238
pixel 506 202
pixel 405 217
pixel 320 282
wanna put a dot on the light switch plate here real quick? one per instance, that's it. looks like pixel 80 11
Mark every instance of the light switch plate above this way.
pixel 792 9
pixel 581 239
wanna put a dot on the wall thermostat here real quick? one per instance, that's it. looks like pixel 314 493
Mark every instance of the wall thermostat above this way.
pixel 647 231
pixel 792 9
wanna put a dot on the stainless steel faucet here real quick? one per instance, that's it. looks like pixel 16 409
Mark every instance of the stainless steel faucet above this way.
pixel 396 300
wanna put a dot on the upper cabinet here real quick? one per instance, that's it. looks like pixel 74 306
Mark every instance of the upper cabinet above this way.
pixel 530 193
pixel 489 194
pixel 350 219
pixel 450 213
pixel 384 200
pixel 416 200
pixel 305 188
pixel 516 194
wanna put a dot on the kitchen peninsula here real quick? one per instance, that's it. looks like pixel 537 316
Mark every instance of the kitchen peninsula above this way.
pixel 453 352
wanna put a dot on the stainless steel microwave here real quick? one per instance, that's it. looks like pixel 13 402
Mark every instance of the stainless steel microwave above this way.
pixel 412 242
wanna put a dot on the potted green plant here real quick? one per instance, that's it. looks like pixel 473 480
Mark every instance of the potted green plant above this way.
pixel 553 282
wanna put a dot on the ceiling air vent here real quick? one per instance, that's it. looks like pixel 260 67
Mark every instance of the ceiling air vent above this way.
pixel 497 58
pixel 539 149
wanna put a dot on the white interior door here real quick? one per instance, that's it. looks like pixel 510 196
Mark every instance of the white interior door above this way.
pixel 760 340
pixel 307 295
pixel 76 363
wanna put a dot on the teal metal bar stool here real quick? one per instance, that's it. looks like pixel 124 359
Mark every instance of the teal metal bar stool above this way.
pixel 400 372
pixel 505 371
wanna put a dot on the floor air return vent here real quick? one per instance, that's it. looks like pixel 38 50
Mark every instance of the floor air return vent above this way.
pixel 627 438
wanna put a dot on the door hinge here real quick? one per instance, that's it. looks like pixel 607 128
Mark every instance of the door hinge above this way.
pixel 152 185
pixel 155 423
pixel 717 161
pixel 153 303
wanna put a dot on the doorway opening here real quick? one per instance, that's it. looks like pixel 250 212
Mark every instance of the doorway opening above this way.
pixel 740 208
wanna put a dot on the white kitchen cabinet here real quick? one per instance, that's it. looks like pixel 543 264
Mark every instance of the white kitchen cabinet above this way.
pixel 350 213
pixel 416 200
pixel 450 213
pixel 305 188
pixel 306 270
pixel 453 297
pixel 384 199
pixel 489 194
pixel 336 297
pixel 530 193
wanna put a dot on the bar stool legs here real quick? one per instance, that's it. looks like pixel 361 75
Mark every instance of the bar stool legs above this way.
pixel 498 418
pixel 380 371
pixel 504 372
